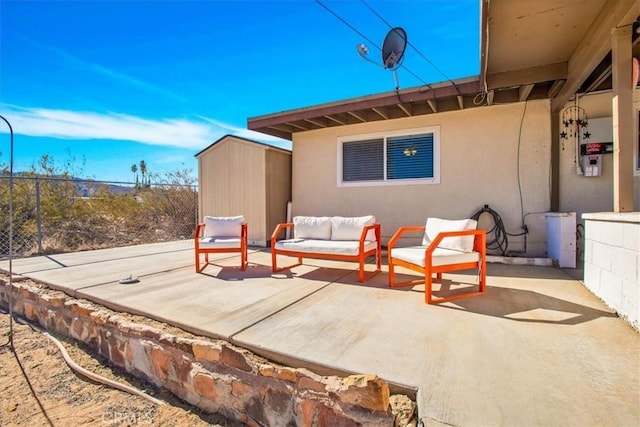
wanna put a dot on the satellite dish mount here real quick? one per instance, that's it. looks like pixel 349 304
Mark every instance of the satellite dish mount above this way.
pixel 393 47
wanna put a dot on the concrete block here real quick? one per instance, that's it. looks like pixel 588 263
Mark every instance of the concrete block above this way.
pixel 602 256
pixel 631 237
pixel 593 230
pixel 588 251
pixel 611 289
pixel 613 234
pixel 624 263
pixel 631 302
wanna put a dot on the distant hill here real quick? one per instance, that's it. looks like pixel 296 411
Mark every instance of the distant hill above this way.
pixel 86 187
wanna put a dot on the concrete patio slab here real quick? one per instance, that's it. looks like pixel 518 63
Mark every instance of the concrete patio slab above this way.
pixel 538 349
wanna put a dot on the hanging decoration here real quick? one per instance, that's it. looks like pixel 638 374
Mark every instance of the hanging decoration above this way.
pixel 575 127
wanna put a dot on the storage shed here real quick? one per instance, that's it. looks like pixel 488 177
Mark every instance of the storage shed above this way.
pixel 239 176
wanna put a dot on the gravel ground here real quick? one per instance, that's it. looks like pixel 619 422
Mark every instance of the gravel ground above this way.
pixel 41 390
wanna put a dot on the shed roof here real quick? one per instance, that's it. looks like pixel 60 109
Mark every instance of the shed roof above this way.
pixel 529 50
pixel 263 145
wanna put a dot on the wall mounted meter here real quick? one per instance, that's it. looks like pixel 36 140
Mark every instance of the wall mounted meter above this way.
pixel 591 155
pixel 592 165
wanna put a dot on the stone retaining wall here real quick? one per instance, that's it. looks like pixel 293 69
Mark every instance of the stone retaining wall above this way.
pixel 213 375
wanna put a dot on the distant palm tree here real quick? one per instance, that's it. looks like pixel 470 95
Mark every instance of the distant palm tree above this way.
pixel 143 169
pixel 134 169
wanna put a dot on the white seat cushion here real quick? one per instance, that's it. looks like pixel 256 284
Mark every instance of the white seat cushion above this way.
pixel 440 256
pixel 312 227
pixel 342 247
pixel 223 226
pixel 219 242
pixel 350 228
pixel 434 226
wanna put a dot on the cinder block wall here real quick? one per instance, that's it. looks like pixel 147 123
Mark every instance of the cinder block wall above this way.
pixel 214 375
pixel 612 261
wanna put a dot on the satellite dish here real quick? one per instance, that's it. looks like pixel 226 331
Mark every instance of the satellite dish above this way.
pixel 393 48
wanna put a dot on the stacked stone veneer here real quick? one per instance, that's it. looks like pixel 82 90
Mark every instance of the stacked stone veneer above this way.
pixel 213 375
pixel 612 261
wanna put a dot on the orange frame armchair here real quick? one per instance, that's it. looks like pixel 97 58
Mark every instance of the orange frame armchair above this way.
pixel 434 263
pixel 220 235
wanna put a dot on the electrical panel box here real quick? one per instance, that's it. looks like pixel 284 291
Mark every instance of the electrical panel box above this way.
pixel 592 165
pixel 561 238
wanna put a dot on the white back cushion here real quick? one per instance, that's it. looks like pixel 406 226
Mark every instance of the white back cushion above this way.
pixel 462 243
pixel 228 226
pixel 350 228
pixel 312 227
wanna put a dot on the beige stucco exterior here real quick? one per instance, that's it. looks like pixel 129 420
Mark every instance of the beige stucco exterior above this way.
pixel 488 156
pixel 593 194
pixel 582 194
pixel 240 177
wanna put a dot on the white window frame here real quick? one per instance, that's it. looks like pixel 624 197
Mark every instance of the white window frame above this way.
pixel 435 130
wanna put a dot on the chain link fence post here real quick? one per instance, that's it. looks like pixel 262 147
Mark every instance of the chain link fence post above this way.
pixel 38 216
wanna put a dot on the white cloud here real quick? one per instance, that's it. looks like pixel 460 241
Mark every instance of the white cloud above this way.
pixel 120 77
pixel 65 124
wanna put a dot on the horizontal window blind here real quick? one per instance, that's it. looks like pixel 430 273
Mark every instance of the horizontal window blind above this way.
pixel 363 160
pixel 410 157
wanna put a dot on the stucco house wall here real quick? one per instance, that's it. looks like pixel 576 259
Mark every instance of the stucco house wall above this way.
pixel 497 156
pixel 582 194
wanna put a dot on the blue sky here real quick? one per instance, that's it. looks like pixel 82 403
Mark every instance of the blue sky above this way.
pixel 105 84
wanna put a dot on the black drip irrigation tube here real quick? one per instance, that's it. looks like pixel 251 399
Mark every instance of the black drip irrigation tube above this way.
pixel 497 236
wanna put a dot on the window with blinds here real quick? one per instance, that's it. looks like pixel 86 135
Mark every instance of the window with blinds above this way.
pixel 387 159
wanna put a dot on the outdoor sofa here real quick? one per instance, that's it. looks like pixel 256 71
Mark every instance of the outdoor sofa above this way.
pixel 337 238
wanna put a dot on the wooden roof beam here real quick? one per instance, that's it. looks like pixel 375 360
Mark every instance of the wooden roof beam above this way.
pixel 594 47
pixel 555 88
pixel 357 116
pixel 379 112
pixel 539 74
pixel 294 125
pixel 524 92
pixel 601 78
pixel 332 118
pixel 316 122
pixel 405 110
pixel 280 133
pixel 281 128
pixel 433 104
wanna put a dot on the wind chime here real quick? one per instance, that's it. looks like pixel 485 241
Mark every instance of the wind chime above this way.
pixel 575 127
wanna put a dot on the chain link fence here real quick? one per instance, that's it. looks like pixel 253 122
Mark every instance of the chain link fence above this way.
pixel 55 215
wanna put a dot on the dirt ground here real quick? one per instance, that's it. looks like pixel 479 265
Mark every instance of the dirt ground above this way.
pixel 41 389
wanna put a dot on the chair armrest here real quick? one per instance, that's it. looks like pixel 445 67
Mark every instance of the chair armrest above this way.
pixel 365 231
pixel 199 231
pixel 278 230
pixel 401 231
pixel 478 244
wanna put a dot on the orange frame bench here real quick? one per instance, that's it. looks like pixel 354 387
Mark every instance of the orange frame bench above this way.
pixel 359 257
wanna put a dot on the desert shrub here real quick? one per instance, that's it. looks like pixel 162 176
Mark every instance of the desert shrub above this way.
pixel 74 214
